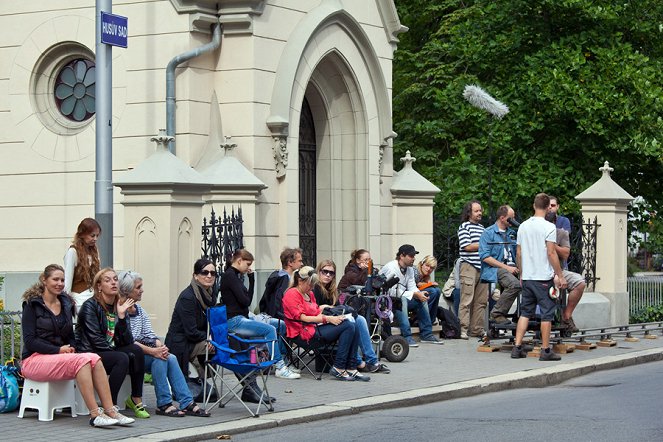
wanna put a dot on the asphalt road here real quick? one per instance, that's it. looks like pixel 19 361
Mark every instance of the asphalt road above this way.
pixel 614 405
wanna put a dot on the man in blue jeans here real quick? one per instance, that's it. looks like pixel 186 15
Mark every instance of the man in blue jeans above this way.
pixel 411 297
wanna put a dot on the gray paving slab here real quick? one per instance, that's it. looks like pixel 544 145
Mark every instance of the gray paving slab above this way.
pixel 430 373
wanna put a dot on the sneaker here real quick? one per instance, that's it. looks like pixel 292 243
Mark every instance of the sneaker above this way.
pixel 138 409
pixel 549 355
pixel 463 335
pixel 376 368
pixel 285 373
pixel 411 342
pixel 291 366
pixel 518 351
pixel 102 420
pixel 358 376
pixel 122 419
pixel 572 326
pixel 341 375
pixel 501 320
pixel 431 340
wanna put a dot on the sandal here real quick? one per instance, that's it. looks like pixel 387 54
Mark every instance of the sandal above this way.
pixel 190 410
pixel 169 410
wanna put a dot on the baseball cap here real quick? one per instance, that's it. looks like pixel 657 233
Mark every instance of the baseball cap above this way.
pixel 407 249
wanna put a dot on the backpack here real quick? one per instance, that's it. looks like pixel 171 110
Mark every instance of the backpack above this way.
pixel 272 297
pixel 9 393
pixel 449 323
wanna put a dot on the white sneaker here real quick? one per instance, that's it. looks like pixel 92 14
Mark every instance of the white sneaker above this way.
pixel 102 420
pixel 292 367
pixel 122 419
pixel 285 373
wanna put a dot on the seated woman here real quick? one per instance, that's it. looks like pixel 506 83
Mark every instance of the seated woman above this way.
pixel 356 270
pixel 305 322
pixel 48 347
pixel 187 332
pixel 237 299
pixel 422 276
pixel 326 293
pixel 166 373
pixel 103 328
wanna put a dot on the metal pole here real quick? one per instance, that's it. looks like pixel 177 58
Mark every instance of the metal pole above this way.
pixel 103 186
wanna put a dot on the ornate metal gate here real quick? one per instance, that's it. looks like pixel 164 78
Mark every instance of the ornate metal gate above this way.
pixel 307 185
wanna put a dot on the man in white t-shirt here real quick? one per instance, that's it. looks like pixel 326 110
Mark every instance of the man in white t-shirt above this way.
pixel 536 257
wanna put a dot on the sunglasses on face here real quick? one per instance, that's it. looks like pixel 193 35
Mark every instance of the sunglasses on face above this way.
pixel 208 272
pixel 327 272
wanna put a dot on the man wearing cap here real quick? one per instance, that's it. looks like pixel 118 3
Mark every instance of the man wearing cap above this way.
pixel 411 297
pixel 473 292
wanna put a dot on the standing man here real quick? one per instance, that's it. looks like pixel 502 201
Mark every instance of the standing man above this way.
pixel 411 297
pixel 562 221
pixel 497 250
pixel 537 260
pixel 278 282
pixel 473 292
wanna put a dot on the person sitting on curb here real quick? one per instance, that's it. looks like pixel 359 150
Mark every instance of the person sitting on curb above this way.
pixel 538 263
pixel 410 296
pixel 423 276
pixel 497 251
pixel 576 283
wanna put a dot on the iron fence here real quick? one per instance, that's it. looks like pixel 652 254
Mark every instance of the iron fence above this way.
pixel 10 335
pixel 643 292
pixel 222 236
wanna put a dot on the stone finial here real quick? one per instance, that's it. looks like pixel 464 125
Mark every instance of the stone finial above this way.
pixel 408 160
pixel 227 146
pixel 606 169
pixel 162 139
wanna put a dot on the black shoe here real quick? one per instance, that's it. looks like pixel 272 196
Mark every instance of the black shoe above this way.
pixel 518 352
pixel 549 355
pixel 377 368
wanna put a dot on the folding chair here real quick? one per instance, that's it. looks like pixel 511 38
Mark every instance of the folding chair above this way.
pixel 302 354
pixel 244 363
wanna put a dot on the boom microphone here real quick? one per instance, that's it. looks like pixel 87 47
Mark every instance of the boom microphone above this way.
pixel 481 99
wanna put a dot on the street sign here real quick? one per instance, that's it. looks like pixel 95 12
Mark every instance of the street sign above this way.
pixel 114 29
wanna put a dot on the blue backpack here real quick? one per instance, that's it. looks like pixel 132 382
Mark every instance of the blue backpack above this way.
pixel 9 393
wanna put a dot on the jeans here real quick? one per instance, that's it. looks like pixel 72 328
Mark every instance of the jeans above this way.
pixel 167 375
pixel 347 342
pixel 425 324
pixel 279 325
pixel 434 294
pixel 365 343
pixel 248 328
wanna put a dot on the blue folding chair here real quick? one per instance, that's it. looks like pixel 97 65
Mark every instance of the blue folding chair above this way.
pixel 237 361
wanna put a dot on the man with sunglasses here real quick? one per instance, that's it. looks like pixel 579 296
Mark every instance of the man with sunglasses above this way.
pixel 410 296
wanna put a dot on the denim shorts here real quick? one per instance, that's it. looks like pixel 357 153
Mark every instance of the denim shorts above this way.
pixel 536 292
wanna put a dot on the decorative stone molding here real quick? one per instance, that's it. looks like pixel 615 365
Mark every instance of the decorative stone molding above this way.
pixel 280 149
pixel 383 146
pixel 236 16
pixel 392 24
pixel 162 139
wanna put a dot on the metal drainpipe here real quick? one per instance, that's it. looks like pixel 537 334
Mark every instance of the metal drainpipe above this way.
pixel 170 79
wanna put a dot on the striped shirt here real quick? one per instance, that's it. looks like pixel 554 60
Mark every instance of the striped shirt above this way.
pixel 470 233
pixel 141 328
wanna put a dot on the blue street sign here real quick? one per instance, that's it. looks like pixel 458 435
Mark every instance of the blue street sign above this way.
pixel 114 29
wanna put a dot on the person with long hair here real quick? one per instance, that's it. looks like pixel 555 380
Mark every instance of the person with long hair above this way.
pixel 81 262
pixel 49 352
pixel 103 328
pixel 238 298
pixel 306 323
pixel 187 332
pixel 356 270
pixel 423 276
pixel 167 376
pixel 326 292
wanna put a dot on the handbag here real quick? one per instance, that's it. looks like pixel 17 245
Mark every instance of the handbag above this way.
pixel 9 391
pixel 339 310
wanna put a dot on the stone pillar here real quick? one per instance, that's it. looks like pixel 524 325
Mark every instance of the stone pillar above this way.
pixel 412 202
pixel 162 203
pixel 608 202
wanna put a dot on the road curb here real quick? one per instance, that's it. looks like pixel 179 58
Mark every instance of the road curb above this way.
pixel 533 378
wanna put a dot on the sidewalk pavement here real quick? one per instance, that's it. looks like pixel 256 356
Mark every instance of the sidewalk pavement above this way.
pixel 430 373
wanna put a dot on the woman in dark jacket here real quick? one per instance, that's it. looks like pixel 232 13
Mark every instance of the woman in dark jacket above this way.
pixel 103 329
pixel 356 271
pixel 187 332
pixel 49 352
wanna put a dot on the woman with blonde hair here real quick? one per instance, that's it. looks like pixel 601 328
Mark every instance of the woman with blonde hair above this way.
pixel 49 353
pixel 423 273
pixel 81 262
pixel 325 292
pixel 103 328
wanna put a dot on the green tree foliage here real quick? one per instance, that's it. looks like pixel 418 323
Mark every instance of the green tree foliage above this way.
pixel 582 80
